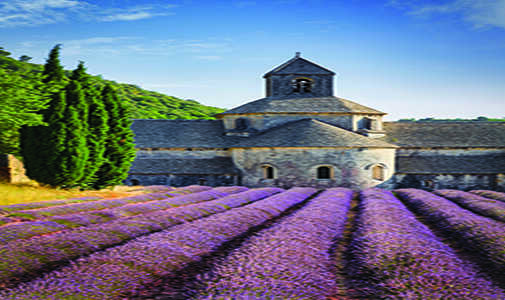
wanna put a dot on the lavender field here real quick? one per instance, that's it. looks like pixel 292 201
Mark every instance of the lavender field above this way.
pixel 199 242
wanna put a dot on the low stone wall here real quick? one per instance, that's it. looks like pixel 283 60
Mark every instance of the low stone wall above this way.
pixel 181 179
pixel 432 182
pixel 11 169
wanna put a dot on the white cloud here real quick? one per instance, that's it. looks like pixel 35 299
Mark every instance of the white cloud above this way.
pixel 479 13
pixel 37 12
pixel 135 13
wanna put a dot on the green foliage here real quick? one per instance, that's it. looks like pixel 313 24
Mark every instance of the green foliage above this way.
pixel 142 104
pixel 21 98
pixel 25 58
pixel 3 52
pixel 53 71
pixel 96 125
pixel 119 147
pixel 41 145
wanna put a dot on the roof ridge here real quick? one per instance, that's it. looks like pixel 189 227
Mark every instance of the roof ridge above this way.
pixel 292 60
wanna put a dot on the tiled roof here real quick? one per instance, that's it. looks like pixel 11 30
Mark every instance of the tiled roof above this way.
pixel 210 134
pixel 445 134
pixel 442 164
pixel 218 165
pixel 298 65
pixel 309 133
pixel 302 104
pixel 179 133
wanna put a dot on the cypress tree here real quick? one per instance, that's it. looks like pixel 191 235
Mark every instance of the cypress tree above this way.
pixel 37 143
pixel 119 150
pixel 75 153
pixel 96 125
pixel 53 70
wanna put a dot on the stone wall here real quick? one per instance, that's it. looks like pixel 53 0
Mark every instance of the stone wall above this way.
pixel 432 182
pixel 351 167
pixel 182 179
pixel 11 169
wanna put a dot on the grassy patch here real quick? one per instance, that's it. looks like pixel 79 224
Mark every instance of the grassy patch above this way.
pixel 26 193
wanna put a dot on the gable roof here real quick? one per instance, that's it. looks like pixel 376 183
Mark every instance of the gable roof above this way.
pixel 298 65
pixel 445 164
pixel 293 104
pixel 445 134
pixel 309 133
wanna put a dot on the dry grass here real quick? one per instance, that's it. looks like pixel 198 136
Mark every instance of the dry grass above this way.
pixel 29 192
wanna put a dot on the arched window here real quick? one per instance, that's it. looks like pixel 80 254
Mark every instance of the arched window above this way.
pixel 302 85
pixel 241 123
pixel 378 172
pixel 268 172
pixel 324 172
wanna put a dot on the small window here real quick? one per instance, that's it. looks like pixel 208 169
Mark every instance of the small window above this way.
pixel 135 182
pixel 202 181
pixel 241 124
pixel 323 173
pixel 428 183
pixel 302 85
pixel 378 173
pixel 268 172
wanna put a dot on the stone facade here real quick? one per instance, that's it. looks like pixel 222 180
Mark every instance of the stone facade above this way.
pixel 350 167
pixel 302 135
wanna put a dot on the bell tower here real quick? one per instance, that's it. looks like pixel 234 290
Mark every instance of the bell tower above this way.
pixel 299 78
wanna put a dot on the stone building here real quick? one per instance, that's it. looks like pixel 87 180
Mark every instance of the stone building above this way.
pixel 300 134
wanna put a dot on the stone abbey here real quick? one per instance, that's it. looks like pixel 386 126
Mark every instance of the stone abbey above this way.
pixel 300 134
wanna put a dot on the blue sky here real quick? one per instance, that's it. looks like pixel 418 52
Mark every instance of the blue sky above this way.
pixel 407 58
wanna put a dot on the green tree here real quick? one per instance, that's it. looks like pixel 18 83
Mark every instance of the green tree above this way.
pixel 74 156
pixel 96 125
pixel 3 52
pixel 41 145
pixel 119 150
pixel 24 58
pixel 21 98
pixel 53 71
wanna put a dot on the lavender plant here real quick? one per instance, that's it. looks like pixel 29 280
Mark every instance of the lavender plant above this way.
pixel 137 265
pixel 49 225
pixel 484 206
pixel 398 257
pixel 490 194
pixel 5 209
pixel 22 259
pixel 484 236
pixel 290 260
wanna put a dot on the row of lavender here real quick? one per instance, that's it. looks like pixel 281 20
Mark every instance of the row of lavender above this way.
pixel 481 205
pixel 97 212
pixel 126 270
pixel 26 258
pixel 396 256
pixel 290 260
pixel 480 234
